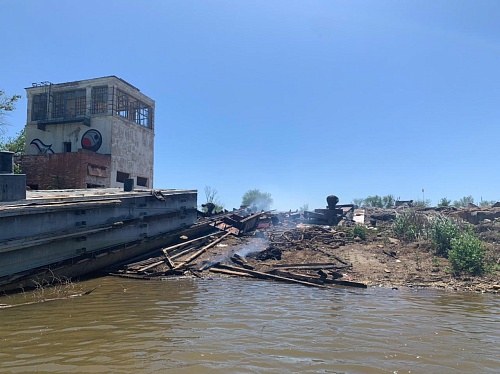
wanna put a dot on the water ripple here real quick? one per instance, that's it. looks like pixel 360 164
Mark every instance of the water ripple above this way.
pixel 247 326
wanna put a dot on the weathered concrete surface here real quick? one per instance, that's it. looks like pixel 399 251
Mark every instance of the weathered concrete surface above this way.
pixel 12 187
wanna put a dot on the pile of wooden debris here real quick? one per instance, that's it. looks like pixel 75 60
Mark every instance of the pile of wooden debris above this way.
pixel 287 252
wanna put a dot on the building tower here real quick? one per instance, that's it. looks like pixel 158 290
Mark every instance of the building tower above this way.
pixel 88 134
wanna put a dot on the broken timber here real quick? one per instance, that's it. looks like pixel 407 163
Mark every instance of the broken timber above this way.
pixel 287 277
pixel 198 253
pixel 311 266
pixel 258 274
pixel 319 280
pixel 167 250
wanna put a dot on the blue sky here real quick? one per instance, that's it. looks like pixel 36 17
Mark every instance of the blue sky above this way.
pixel 301 99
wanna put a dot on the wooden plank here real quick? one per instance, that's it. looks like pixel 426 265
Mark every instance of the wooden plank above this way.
pixel 305 264
pixel 259 274
pixel 185 251
pixel 320 280
pixel 198 253
pixel 302 277
pixel 171 248
pixel 230 272
pixel 348 283
pixel 169 262
pixel 157 263
pixel 309 266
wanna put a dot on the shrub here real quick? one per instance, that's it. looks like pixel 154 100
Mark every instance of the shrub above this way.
pixel 409 225
pixel 422 203
pixel 360 232
pixel 466 254
pixel 442 231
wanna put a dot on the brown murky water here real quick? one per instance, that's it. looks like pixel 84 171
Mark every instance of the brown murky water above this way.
pixel 247 326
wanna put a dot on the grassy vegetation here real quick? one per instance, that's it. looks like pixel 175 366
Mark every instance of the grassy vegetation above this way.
pixel 467 254
pixel 409 225
pixel 441 232
pixel 458 243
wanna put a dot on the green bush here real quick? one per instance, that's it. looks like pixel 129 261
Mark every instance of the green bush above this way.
pixel 466 254
pixel 360 232
pixel 442 231
pixel 409 225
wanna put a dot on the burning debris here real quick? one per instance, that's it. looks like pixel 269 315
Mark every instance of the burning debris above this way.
pixel 341 245
pixel 256 245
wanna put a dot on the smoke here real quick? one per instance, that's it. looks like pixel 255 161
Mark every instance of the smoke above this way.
pixel 254 246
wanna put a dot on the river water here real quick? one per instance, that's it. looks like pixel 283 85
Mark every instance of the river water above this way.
pixel 250 326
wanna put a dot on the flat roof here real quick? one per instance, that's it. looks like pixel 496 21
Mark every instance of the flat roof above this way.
pixel 74 83
pixel 35 197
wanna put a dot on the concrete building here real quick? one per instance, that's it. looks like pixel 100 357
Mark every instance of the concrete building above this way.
pixel 88 134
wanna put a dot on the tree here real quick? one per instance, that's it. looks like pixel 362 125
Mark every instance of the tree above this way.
pixel 358 201
pixel 212 196
pixel 463 202
pixel 304 207
pixel 486 203
pixel 15 144
pixel 444 202
pixel 7 104
pixel 257 200
pixel 388 201
pixel 373 201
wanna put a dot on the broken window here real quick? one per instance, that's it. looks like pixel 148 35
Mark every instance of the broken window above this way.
pixel 67 146
pixel 99 99
pixel 69 104
pixel 134 110
pixel 39 108
pixel 122 104
pixel 142 181
pixel 121 176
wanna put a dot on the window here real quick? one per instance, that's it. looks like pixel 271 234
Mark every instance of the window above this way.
pixel 122 104
pixel 67 146
pixel 133 110
pixel 100 99
pixel 39 108
pixel 121 176
pixel 142 181
pixel 69 104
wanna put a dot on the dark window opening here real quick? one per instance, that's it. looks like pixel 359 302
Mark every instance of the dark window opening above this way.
pixel 120 176
pixel 33 186
pixel 67 146
pixel 91 185
pixel 69 104
pixel 39 108
pixel 100 99
pixel 142 181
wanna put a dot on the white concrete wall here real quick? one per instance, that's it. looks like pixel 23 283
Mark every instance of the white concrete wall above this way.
pixel 132 151
pixel 55 135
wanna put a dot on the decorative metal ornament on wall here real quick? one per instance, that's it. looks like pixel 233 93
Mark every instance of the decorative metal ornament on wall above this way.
pixel 92 140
